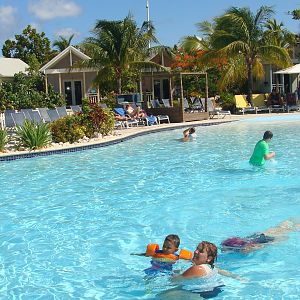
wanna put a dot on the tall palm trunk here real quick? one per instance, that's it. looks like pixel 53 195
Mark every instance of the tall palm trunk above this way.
pixel 250 81
pixel 119 83
pixel 119 80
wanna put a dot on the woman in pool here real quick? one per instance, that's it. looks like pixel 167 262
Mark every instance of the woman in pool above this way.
pixel 201 278
pixel 259 240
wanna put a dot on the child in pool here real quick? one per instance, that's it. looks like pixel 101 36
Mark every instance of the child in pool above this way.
pixel 164 259
pixel 259 240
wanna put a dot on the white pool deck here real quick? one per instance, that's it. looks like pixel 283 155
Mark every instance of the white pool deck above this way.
pixel 123 134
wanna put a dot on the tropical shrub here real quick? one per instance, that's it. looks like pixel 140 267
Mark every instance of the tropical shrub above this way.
pixel 99 119
pixel 227 101
pixel 68 129
pixel 93 119
pixel 3 139
pixel 28 91
pixel 33 135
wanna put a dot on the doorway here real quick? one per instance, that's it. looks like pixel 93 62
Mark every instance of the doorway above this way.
pixel 161 89
pixel 73 92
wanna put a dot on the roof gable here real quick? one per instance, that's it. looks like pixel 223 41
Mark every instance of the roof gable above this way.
pixel 62 55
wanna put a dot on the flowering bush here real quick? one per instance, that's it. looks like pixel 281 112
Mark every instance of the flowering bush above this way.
pixel 68 129
pixel 92 119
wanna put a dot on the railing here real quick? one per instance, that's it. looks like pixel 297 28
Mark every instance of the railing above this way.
pixel 93 98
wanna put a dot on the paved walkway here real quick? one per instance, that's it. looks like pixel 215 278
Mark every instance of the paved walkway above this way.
pixel 121 135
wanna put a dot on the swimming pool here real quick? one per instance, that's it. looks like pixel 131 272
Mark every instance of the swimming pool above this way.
pixel 70 221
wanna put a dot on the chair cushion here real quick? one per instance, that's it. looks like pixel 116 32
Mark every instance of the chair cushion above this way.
pixel 120 111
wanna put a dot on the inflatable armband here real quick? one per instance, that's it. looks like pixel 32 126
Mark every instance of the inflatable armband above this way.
pixel 185 254
pixel 151 248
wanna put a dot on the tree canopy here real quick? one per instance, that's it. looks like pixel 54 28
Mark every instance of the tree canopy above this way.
pixel 116 47
pixel 29 46
pixel 62 42
pixel 243 39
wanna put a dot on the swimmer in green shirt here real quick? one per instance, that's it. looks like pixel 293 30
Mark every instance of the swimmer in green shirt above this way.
pixel 261 151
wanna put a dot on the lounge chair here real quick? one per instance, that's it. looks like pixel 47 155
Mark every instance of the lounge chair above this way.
pixel 166 102
pixel 44 114
pixel 129 122
pixel 215 111
pixel 155 103
pixel 75 108
pixel 53 114
pixel 27 112
pixel 259 100
pixel 243 106
pixel 8 119
pixel 186 106
pixel 197 104
pixel 62 111
pixel 35 116
pixel 19 118
pixel 291 103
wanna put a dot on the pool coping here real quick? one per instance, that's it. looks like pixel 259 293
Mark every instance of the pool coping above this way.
pixel 101 143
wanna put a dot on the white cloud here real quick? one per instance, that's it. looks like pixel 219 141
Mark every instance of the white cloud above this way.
pixel 8 21
pixel 51 9
pixel 67 32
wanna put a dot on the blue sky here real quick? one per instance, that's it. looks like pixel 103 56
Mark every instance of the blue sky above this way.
pixel 172 19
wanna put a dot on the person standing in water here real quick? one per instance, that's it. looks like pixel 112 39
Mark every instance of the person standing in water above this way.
pixel 261 152
pixel 189 134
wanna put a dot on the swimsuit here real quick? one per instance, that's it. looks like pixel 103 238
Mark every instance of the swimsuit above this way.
pixel 208 286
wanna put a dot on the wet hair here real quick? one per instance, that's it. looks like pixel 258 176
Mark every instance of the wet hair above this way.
pixel 211 249
pixel 192 130
pixel 267 135
pixel 234 242
pixel 174 238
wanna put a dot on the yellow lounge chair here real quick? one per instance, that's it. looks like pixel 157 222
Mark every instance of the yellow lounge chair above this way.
pixel 259 100
pixel 242 105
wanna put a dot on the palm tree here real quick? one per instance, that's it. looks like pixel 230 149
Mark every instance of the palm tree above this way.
pixel 278 34
pixel 239 37
pixel 62 43
pixel 117 46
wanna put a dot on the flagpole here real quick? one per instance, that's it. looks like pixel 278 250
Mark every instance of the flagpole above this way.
pixel 148 19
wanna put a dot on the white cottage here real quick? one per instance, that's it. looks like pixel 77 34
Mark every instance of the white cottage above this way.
pixel 71 82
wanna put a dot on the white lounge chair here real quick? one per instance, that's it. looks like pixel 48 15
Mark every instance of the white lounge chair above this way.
pixel 166 102
pixel 53 114
pixel 215 111
pixel 44 114
pixel 75 108
pixel 62 111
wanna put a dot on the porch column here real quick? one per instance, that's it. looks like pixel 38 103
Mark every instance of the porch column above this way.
pixel 46 84
pixel 84 85
pixel 181 92
pixel 59 82
pixel 271 78
pixel 170 90
pixel 141 92
pixel 152 84
pixel 206 91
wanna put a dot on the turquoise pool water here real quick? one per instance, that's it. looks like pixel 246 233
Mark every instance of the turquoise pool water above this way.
pixel 69 222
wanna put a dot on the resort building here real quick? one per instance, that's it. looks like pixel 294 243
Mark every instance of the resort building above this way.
pixel 74 83
pixel 11 66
